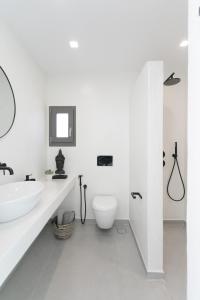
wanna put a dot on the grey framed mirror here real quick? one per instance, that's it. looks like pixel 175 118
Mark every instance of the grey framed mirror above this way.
pixel 7 104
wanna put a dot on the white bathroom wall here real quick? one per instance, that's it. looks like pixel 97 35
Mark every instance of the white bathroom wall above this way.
pixel 193 197
pixel 175 129
pixel 146 174
pixel 102 103
pixel 23 148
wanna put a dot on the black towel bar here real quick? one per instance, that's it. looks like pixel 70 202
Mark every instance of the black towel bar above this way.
pixel 136 194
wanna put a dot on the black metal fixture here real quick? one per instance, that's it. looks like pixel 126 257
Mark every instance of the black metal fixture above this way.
pixel 176 163
pixel 134 195
pixel 105 160
pixel 171 80
pixel 163 158
pixel 82 197
pixel 4 168
pixel 28 178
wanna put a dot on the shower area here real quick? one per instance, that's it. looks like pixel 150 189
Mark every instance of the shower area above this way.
pixel 174 147
pixel 175 179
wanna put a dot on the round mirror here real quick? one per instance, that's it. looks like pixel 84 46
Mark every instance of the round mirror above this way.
pixel 7 104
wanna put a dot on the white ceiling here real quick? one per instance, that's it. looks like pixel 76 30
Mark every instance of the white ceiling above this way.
pixel 113 34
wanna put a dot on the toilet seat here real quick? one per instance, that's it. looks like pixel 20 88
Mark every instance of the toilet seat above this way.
pixel 104 202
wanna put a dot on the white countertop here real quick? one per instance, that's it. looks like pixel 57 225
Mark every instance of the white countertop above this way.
pixel 17 236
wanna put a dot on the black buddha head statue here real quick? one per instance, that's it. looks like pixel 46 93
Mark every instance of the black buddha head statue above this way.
pixel 60 160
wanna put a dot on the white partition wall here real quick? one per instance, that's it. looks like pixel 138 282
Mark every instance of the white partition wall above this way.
pixel 146 170
pixel 193 202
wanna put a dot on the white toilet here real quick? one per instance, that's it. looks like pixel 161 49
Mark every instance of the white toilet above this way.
pixel 104 207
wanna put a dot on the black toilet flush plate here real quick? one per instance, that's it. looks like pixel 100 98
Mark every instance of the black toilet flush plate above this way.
pixel 105 160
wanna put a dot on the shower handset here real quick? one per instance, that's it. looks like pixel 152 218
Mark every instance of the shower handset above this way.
pixel 175 156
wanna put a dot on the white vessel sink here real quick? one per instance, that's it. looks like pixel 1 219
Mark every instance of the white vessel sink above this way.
pixel 18 198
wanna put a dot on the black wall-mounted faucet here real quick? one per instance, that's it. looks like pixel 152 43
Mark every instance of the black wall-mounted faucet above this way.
pixel 4 168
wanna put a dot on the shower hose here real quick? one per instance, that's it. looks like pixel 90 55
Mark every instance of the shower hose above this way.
pixel 82 198
pixel 175 156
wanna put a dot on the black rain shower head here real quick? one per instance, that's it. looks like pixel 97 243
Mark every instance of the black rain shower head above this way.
pixel 171 80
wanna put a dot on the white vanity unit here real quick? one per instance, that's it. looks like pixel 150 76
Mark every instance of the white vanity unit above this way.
pixel 17 236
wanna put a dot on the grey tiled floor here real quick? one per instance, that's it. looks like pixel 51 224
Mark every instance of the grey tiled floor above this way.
pixel 175 259
pixel 96 265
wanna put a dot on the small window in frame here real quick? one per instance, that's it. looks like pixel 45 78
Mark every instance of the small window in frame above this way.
pixel 62 126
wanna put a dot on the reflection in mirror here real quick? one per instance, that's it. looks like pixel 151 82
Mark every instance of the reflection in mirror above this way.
pixel 7 104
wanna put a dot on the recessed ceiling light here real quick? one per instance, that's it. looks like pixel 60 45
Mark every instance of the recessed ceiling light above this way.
pixel 73 44
pixel 184 43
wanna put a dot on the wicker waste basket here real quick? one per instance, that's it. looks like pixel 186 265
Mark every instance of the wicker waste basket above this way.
pixel 64 230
